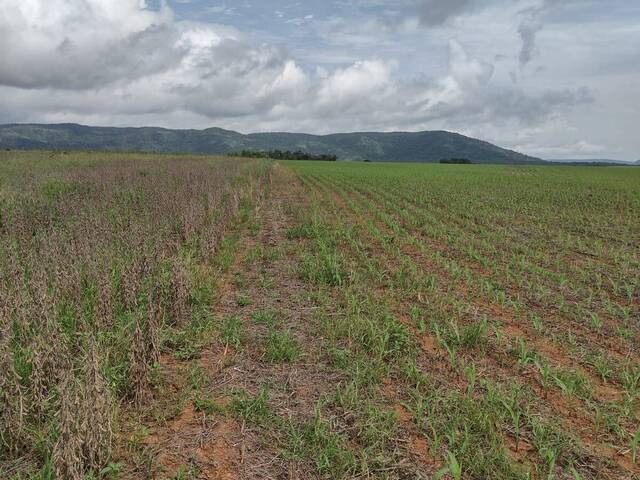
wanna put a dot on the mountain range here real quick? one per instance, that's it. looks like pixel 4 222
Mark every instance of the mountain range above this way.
pixel 427 146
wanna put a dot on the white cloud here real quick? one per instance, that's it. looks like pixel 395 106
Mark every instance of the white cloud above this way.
pixel 358 82
pixel 74 44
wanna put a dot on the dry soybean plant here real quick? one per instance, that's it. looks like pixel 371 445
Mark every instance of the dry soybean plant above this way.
pixel 98 255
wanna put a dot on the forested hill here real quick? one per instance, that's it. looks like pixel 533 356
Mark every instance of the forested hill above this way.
pixel 427 146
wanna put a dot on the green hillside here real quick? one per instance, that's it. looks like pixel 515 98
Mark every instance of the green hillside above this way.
pixel 428 146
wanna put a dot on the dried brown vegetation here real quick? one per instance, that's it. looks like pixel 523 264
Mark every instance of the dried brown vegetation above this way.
pixel 100 263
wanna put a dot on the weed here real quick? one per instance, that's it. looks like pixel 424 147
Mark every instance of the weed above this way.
pixel 186 473
pixel 243 300
pixel 474 335
pixel 268 318
pixel 207 406
pixel 231 332
pixel 251 409
pixel 326 268
pixel 299 232
pixel 317 441
pixel 111 471
pixel 281 347
pixel 471 374
pixel 453 468
pixel 377 427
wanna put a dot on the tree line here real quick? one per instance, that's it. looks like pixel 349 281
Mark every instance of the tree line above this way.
pixel 283 155
pixel 457 161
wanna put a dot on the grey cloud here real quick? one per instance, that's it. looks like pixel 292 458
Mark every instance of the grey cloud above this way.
pixel 429 13
pixel 436 12
pixel 529 27
pixel 531 110
pixel 498 107
pixel 531 24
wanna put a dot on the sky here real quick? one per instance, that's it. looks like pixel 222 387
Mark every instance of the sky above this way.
pixel 556 79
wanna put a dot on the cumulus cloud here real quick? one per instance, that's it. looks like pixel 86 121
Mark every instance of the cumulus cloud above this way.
pixel 75 44
pixel 140 58
pixel 354 84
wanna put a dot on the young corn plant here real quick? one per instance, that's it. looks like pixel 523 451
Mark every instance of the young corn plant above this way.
pixel 595 321
pixel 572 383
pixel 413 374
pixel 538 326
pixel 419 406
pixel 546 374
pixel 515 414
pixel 601 363
pixel 630 379
pixel 524 355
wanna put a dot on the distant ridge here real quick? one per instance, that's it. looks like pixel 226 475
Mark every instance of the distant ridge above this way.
pixel 427 146
pixel 595 162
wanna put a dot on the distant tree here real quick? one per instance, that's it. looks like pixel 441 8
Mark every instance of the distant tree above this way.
pixel 456 161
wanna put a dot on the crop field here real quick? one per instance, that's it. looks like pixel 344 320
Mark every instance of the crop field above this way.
pixel 190 317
